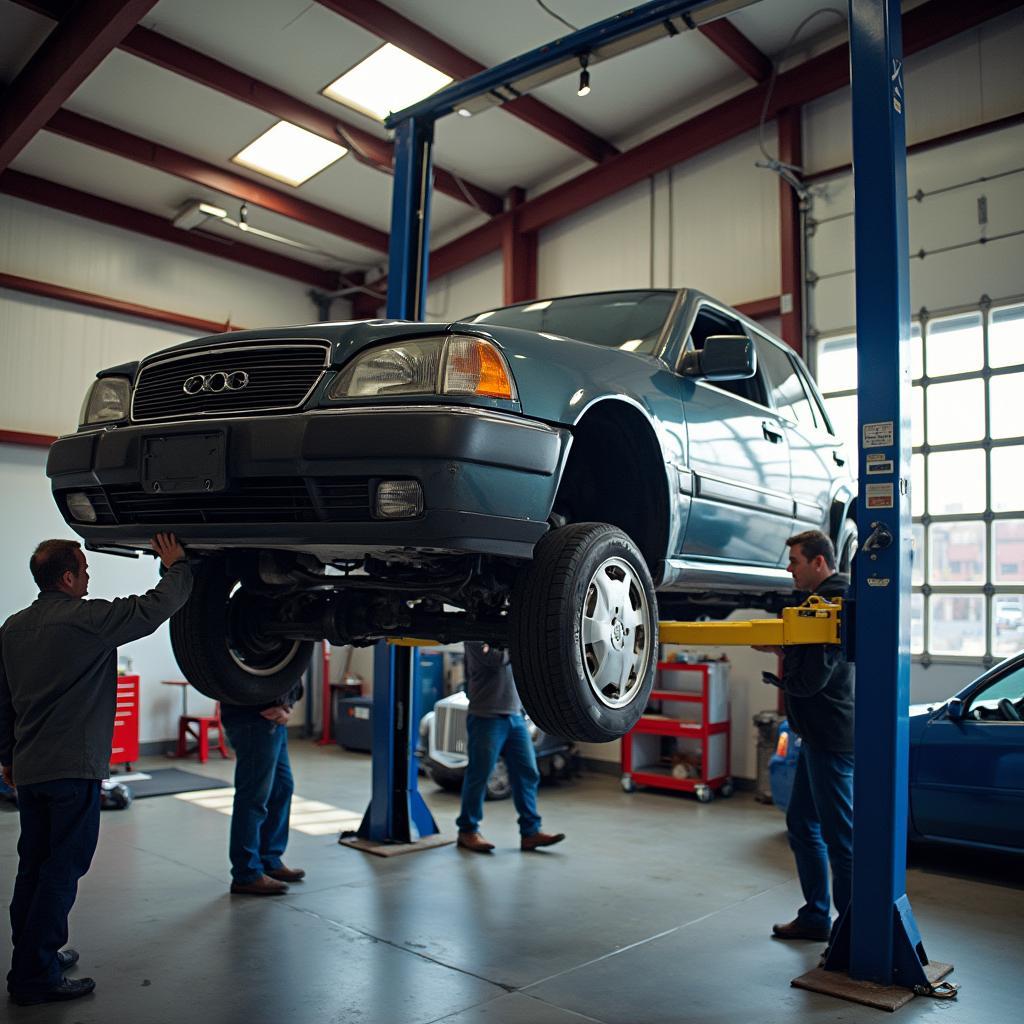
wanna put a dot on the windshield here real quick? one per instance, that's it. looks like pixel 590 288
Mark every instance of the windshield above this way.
pixel 632 321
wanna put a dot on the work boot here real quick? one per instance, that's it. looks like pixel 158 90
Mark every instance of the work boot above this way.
pixel 286 874
pixel 67 958
pixel 65 989
pixel 475 842
pixel 262 886
pixel 796 929
pixel 538 839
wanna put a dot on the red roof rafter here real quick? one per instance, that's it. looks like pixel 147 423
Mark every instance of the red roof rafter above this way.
pixel 738 48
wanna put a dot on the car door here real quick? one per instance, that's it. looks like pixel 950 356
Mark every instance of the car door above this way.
pixel 738 454
pixel 967 776
pixel 811 446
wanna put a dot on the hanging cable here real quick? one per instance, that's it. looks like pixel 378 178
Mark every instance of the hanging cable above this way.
pixel 557 17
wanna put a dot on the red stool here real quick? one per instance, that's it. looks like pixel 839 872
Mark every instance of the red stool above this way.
pixel 187 728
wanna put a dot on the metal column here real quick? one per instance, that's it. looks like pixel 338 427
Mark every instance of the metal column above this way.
pixel 409 244
pixel 878 940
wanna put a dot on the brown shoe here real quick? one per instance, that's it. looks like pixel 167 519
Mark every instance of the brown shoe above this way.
pixel 286 874
pixel 475 842
pixel 796 929
pixel 262 886
pixel 538 839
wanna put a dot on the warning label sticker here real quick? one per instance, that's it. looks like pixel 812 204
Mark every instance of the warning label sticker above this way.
pixel 879 495
pixel 877 435
pixel 879 465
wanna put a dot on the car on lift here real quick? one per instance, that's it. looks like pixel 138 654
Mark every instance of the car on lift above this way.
pixel 967 763
pixel 551 476
pixel 441 750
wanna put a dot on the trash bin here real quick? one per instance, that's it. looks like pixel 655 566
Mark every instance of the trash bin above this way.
pixel 782 767
pixel 767 723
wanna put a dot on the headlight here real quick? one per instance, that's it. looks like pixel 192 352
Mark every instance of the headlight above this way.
pixel 106 400
pixel 451 365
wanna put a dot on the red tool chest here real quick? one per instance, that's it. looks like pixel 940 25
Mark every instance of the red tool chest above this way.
pixel 125 748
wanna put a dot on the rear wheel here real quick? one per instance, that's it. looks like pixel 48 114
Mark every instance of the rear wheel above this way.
pixel 584 633
pixel 846 546
pixel 219 647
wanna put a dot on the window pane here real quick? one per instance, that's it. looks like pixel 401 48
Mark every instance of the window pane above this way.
pixel 1006 397
pixel 1007 479
pixel 917 485
pixel 1008 551
pixel 917 416
pixel 956 412
pixel 787 391
pixel 843 414
pixel 837 364
pixel 916 623
pixel 957 553
pixel 1006 336
pixel 917 555
pixel 1007 624
pixel 916 352
pixel 954 345
pixel 956 624
pixel 956 482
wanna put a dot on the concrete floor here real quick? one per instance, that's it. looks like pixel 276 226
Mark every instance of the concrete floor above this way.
pixel 656 908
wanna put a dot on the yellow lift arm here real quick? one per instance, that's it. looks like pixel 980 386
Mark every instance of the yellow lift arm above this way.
pixel 816 621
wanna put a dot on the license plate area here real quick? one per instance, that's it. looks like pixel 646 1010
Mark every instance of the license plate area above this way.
pixel 184 463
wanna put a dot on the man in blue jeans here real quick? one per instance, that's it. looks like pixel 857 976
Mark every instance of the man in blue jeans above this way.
pixel 58 688
pixel 496 728
pixel 817 684
pixel 263 796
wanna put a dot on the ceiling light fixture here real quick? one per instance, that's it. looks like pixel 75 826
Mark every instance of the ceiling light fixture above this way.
pixel 584 89
pixel 289 153
pixel 196 212
pixel 389 79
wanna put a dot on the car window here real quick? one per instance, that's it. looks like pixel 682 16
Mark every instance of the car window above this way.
pixel 628 320
pixel 815 398
pixel 787 389
pixel 712 321
pixel 985 704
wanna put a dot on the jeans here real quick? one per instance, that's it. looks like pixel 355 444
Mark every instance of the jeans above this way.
pixel 263 798
pixel 490 738
pixel 60 823
pixel 820 824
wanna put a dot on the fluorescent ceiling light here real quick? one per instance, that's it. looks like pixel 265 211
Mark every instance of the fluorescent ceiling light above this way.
pixel 289 153
pixel 389 79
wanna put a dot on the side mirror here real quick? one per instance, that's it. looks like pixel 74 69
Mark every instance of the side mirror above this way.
pixel 724 357
pixel 955 710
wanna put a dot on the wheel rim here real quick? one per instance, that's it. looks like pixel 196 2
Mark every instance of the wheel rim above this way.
pixel 615 633
pixel 249 649
pixel 499 782
pixel 848 549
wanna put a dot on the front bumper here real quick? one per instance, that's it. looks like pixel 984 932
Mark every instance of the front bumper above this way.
pixel 307 482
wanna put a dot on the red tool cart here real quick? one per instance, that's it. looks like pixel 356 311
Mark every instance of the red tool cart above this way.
pixel 686 746
pixel 125 748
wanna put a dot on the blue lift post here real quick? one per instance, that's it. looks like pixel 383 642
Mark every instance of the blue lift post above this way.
pixel 878 940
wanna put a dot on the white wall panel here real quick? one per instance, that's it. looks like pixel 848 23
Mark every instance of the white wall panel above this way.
pixel 469 289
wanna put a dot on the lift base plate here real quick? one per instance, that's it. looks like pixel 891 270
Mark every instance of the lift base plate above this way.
pixel 881 997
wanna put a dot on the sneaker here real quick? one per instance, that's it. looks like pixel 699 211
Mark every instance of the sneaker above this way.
pixel 67 958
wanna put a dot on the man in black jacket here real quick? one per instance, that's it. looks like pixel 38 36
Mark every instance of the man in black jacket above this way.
pixel 817 684
pixel 58 688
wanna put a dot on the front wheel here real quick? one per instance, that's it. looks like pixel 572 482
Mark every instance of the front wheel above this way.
pixel 219 647
pixel 584 633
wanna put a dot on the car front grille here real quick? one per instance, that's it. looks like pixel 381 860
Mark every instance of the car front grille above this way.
pixel 264 378
pixel 450 729
pixel 251 500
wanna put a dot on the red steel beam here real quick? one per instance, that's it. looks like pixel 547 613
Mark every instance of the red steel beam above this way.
pixel 922 27
pixel 738 48
pixel 791 250
pixel 392 27
pixel 519 255
pixel 759 309
pixel 66 58
pixel 213 74
pixel 170 161
pixel 106 211
pixel 31 440
pixel 47 290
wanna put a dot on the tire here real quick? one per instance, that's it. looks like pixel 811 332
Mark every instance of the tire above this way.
pixel 584 633
pixel 217 652
pixel 499 785
pixel 846 546
pixel 450 782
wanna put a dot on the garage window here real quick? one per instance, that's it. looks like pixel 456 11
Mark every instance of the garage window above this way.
pixel 967 487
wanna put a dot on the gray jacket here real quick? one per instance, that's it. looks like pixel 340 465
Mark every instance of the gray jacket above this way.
pixel 58 677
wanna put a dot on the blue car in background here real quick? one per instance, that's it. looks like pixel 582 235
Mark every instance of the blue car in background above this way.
pixel 967 763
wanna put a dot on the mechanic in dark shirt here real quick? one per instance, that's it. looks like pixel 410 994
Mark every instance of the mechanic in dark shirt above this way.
pixel 58 689
pixel 817 684
pixel 496 728
pixel 263 796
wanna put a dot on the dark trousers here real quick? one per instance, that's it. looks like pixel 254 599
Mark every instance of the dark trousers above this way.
pixel 263 797
pixel 819 820
pixel 60 823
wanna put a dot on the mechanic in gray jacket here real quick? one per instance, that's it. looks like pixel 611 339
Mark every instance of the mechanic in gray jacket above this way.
pixel 58 691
